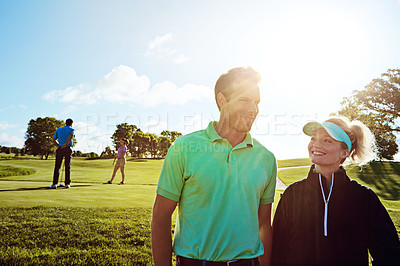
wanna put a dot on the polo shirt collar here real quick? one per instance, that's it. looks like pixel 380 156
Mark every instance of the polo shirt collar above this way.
pixel 213 135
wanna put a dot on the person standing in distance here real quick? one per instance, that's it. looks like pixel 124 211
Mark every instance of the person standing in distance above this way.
pixel 224 181
pixel 121 161
pixel 64 135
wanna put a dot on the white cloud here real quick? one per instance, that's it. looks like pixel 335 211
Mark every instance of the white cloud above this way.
pixel 160 41
pixel 6 125
pixel 90 138
pixel 81 94
pixel 122 85
pixel 11 141
pixel 159 48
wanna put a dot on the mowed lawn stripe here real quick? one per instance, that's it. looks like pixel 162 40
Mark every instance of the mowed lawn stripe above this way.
pixel 30 194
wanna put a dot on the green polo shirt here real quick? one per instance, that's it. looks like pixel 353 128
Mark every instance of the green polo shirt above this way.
pixel 219 190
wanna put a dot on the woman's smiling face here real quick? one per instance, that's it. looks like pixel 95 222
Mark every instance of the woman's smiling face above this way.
pixel 324 150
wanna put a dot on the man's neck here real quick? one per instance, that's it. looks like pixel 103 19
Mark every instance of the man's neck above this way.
pixel 230 134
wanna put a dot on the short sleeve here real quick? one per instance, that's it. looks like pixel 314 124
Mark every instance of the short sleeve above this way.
pixel 171 181
pixel 269 192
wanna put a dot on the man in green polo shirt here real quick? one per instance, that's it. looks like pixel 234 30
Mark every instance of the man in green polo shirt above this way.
pixel 224 182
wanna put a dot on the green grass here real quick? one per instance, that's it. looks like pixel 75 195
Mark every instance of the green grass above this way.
pixel 7 170
pixel 10 156
pixel 294 162
pixel 86 190
pixel 289 176
pixel 68 236
pixel 92 223
pixel 382 177
pixel 138 172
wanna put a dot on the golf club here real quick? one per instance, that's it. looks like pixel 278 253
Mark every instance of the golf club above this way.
pixel 112 167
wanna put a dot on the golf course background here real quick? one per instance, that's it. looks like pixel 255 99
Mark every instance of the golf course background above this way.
pixel 92 223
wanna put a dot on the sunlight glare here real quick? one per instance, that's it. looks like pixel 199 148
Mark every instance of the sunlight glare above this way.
pixel 313 47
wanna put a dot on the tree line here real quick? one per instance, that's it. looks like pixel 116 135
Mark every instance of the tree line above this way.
pixel 377 106
pixel 144 144
pixel 10 150
pixel 40 132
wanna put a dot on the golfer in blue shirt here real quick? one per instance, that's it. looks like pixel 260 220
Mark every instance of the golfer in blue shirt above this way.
pixel 64 135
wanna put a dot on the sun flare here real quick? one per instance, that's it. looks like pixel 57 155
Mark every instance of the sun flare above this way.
pixel 313 46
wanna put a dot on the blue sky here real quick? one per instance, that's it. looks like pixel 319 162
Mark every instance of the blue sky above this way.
pixel 154 63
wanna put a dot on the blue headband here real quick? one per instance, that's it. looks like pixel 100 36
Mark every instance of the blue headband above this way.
pixel 333 130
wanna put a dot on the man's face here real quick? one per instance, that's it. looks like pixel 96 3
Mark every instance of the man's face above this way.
pixel 241 107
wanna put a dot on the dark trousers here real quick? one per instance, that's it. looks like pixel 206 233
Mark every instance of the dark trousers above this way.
pixel 60 155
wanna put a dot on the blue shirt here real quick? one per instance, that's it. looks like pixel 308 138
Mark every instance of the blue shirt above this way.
pixel 62 135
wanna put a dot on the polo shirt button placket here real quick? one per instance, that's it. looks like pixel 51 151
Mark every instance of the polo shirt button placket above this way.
pixel 231 160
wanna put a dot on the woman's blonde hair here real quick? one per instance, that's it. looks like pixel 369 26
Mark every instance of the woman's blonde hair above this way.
pixel 363 146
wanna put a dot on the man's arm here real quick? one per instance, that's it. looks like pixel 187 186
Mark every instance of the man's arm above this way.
pixel 68 141
pixel 55 142
pixel 265 230
pixel 161 240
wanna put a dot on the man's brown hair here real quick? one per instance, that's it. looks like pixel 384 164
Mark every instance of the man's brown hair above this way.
pixel 239 74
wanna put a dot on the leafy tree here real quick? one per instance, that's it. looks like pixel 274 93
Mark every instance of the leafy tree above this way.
pixel 39 136
pixel 124 131
pixel 4 149
pixel 163 145
pixel 378 106
pixel 139 144
pixel 172 135
pixel 152 146
pixel 144 144
pixel 108 153
pixel 93 155
pixel 77 154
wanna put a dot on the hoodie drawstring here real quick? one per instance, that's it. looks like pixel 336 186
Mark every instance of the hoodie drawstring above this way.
pixel 326 203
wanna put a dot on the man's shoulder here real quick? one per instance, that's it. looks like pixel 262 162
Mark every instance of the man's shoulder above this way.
pixel 262 149
pixel 66 129
pixel 192 137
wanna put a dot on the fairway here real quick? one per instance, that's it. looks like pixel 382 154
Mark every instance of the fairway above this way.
pixel 87 189
pixel 90 223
